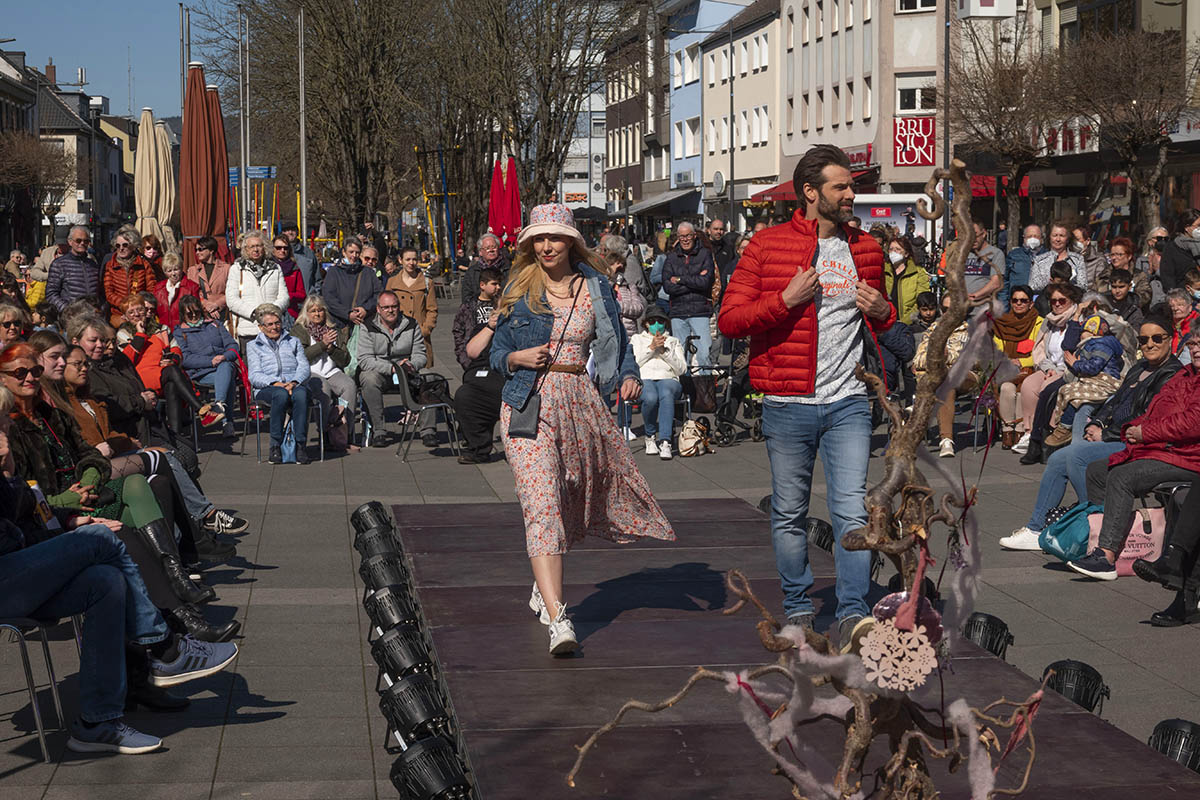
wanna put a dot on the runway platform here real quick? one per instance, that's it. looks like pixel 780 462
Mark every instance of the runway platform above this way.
pixel 646 615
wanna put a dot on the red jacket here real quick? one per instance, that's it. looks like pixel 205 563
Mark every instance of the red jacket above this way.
pixel 783 341
pixel 168 313
pixel 1170 426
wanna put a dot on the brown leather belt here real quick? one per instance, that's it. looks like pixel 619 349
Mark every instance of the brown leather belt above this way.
pixel 574 369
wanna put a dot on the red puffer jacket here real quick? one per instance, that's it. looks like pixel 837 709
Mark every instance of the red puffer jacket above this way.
pixel 1170 426
pixel 783 341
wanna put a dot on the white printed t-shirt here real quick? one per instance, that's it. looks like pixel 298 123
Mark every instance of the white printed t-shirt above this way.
pixel 839 327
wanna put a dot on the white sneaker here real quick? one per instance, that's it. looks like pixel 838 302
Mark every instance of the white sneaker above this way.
pixel 1022 445
pixel 947 449
pixel 630 436
pixel 538 606
pixel 651 446
pixel 1021 539
pixel 664 450
pixel 562 634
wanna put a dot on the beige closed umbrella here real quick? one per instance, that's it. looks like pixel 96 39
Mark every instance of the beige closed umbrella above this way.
pixel 145 177
pixel 165 199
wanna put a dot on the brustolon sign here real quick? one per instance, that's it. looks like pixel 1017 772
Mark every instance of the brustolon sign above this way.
pixel 914 141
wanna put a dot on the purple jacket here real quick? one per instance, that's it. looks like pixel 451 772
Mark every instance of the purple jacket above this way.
pixel 71 278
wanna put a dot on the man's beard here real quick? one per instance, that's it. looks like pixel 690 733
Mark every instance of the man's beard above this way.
pixel 833 211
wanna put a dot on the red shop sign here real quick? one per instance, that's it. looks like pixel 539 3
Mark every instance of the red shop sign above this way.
pixel 881 212
pixel 914 141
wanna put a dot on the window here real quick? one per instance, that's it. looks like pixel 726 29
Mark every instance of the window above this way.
pixel 636 144
pixel 743 129
pixel 756 50
pixel 849 20
pixel 691 64
pixel 712 136
pixel 763 51
pixel 745 58
pixel 1068 24
pixel 849 103
pixel 867 10
pixel 790 30
pixel 711 68
pixel 597 127
pixel 691 140
pixel 866 98
pixel 804 25
pixel 724 64
pixel 820 18
pixel 764 127
pixel 915 93
pixel 833 16
pixel 903 6
pixel 677 68
pixel 835 109
pixel 820 110
pixel 791 111
pixel 724 134
pixel 804 113
pixel 612 149
pixel 677 141
pixel 755 126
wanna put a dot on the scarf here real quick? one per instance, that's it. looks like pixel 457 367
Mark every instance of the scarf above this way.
pixel 317 332
pixel 1189 245
pixel 287 266
pixel 258 270
pixel 1012 329
pixel 1060 319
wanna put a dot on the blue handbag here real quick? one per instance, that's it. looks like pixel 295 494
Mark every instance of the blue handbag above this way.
pixel 288 448
pixel 1067 537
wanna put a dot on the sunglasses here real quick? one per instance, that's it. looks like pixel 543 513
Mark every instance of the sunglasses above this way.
pixel 12 323
pixel 78 364
pixel 81 241
pixel 1157 338
pixel 1060 301
pixel 1016 300
pixel 21 373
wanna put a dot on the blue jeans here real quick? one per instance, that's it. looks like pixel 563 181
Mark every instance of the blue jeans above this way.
pixel 222 382
pixel 197 504
pixel 86 571
pixel 279 401
pixel 682 328
pixel 1068 464
pixel 1079 424
pixel 658 406
pixel 841 433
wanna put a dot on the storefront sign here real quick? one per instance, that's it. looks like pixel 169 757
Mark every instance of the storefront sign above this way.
pixel 576 197
pixel 915 141
pixel 860 157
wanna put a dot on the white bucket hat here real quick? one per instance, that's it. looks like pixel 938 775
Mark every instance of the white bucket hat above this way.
pixel 551 218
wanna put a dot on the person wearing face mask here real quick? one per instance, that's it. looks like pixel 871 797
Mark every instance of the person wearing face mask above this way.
pixel 660 359
pixel 1181 253
pixel 1060 250
pixel 1019 261
pixel 1095 264
pixel 903 279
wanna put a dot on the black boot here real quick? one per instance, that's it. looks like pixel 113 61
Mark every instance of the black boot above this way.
pixel 1167 569
pixel 157 536
pixel 1034 454
pixel 188 620
pixel 138 689
pixel 1182 610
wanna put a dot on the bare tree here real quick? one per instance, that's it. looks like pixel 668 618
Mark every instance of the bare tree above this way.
pixel 1134 87
pixel 41 168
pixel 1002 97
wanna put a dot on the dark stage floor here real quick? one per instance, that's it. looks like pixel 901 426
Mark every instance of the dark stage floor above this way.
pixel 647 615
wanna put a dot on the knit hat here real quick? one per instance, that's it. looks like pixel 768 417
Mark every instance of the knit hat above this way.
pixel 552 218
pixel 1095 325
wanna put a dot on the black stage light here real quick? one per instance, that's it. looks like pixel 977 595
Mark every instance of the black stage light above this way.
pixel 430 770
pixel 401 651
pixel 1178 739
pixel 414 709
pixel 383 570
pixel 1078 682
pixel 376 541
pixel 371 515
pixel 990 633
pixel 389 606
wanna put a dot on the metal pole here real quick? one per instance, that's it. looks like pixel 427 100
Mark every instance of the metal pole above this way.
pixel 303 139
pixel 448 250
pixel 241 127
pixel 946 124
pixel 246 117
pixel 182 64
pixel 729 182
pixel 187 16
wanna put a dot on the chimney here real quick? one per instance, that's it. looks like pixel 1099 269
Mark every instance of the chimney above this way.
pixel 50 72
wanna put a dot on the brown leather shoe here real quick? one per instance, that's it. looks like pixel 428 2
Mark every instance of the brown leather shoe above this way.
pixel 1008 438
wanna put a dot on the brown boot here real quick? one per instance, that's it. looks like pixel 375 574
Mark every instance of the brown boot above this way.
pixel 1058 437
pixel 1008 437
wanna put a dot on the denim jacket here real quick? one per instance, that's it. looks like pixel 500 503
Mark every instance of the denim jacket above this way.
pixel 521 329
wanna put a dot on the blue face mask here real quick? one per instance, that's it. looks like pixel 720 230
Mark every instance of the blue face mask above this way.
pixel 656 328
pixel 1196 293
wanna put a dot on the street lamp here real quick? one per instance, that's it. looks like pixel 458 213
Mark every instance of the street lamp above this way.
pixel 95 106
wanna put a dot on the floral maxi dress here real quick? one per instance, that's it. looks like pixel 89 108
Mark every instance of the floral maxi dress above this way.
pixel 578 477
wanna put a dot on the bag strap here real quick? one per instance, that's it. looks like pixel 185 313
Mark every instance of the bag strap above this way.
pixel 563 337
pixel 354 294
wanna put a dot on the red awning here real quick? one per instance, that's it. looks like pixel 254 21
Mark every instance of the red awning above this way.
pixel 783 192
pixel 985 186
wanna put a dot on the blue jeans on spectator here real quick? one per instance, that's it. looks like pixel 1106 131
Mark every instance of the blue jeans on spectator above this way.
pixel 683 327
pixel 841 433
pixel 1068 464
pixel 222 380
pixel 197 504
pixel 86 571
pixel 658 407
pixel 279 401
pixel 1083 415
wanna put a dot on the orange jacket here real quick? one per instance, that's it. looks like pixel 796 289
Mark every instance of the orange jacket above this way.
pixel 120 282
pixel 147 353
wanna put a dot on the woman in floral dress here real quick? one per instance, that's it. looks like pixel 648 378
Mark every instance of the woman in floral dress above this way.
pixel 577 477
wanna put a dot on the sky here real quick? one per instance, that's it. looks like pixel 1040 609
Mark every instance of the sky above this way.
pixel 105 37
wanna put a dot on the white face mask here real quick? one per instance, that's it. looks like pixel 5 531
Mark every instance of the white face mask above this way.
pixel 896 258
pixel 1196 232
pixel 1033 243
pixel 1080 246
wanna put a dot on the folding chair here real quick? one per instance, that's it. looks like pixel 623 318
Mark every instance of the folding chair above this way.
pixel 261 412
pixel 22 627
pixel 443 412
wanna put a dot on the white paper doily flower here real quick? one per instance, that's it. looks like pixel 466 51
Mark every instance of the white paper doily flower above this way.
pixel 896 659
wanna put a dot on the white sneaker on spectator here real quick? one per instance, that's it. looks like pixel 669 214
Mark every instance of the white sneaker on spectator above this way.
pixel 630 436
pixel 1021 539
pixel 651 446
pixel 664 450
pixel 946 450
pixel 1022 445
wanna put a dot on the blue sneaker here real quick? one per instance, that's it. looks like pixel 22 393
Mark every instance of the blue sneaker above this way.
pixel 113 736
pixel 1095 565
pixel 196 659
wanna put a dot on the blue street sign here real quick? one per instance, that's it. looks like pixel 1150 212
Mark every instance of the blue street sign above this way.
pixel 252 174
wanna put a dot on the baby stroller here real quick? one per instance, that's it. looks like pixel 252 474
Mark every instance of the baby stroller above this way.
pixel 739 395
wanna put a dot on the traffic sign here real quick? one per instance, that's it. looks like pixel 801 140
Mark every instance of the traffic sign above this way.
pixel 252 174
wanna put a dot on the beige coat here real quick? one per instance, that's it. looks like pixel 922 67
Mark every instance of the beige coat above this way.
pixel 420 303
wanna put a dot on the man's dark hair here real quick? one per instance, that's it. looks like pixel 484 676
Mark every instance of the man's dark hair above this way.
pixel 857 220
pixel 412 250
pixel 1186 218
pixel 1024 289
pixel 208 243
pixel 290 226
pixel 1191 276
pixel 47 311
pixel 811 168
pixel 1120 276
pixel 1061 270
pixel 927 300
pixel 489 274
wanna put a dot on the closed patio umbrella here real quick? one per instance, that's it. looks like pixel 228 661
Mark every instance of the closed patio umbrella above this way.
pixel 197 206
pixel 165 198
pixel 220 169
pixel 513 192
pixel 498 203
pixel 145 177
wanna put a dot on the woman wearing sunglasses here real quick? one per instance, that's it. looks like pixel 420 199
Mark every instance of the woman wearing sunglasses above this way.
pixel 1048 363
pixel 14 321
pixel 1105 430
pixel 126 272
pixel 1016 333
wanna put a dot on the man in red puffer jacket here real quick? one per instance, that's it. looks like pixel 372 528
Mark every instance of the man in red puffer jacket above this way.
pixel 809 294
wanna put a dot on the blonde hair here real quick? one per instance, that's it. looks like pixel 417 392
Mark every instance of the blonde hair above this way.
pixel 172 259
pixel 313 301
pixel 527 279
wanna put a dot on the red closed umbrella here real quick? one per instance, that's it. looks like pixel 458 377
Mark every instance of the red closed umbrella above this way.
pixel 498 203
pixel 513 192
pixel 220 169
pixel 198 206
